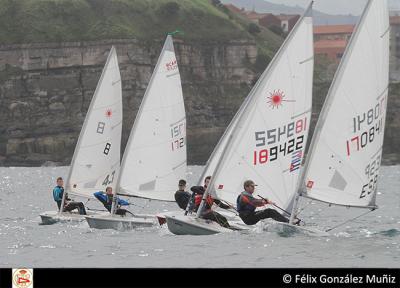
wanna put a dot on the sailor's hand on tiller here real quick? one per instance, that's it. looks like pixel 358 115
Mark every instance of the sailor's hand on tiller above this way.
pixel 265 202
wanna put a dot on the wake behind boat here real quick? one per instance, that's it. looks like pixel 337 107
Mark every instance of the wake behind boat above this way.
pixel 96 159
pixel 155 156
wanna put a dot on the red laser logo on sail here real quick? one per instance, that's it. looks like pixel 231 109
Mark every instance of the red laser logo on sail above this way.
pixel 108 113
pixel 276 98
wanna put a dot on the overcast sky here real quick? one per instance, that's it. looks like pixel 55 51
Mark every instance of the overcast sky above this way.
pixel 354 7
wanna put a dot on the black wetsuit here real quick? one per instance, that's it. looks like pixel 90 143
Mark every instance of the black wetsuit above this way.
pixel 246 206
pixel 182 198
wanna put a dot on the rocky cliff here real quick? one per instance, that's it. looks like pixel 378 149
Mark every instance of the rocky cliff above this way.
pixel 45 91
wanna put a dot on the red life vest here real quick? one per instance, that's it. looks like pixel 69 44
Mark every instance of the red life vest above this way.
pixel 198 197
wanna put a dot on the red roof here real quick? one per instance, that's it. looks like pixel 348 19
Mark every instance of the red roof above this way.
pixel 254 15
pixel 284 17
pixel 233 8
pixel 395 20
pixel 334 29
pixel 323 44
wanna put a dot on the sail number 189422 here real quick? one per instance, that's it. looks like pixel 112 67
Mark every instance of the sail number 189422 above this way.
pixel 285 141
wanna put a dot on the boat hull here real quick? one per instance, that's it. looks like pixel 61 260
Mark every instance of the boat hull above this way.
pixel 52 217
pixel 191 225
pixel 119 223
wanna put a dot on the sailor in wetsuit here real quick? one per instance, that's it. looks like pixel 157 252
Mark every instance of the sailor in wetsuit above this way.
pixel 182 197
pixel 107 199
pixel 247 204
pixel 69 205
pixel 207 212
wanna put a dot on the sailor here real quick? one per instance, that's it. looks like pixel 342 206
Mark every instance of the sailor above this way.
pixel 208 213
pixel 182 197
pixel 247 204
pixel 69 205
pixel 107 199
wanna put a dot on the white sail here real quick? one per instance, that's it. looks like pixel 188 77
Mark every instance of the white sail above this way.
pixel 96 159
pixel 155 156
pixel 346 150
pixel 268 141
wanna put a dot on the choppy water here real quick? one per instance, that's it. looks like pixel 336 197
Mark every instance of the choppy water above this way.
pixel 371 241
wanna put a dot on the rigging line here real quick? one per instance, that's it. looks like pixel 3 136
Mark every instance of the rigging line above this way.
pixel 231 206
pixel 274 205
pixel 302 209
pixel 334 227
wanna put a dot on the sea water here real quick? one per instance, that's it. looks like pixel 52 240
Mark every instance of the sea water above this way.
pixel 370 241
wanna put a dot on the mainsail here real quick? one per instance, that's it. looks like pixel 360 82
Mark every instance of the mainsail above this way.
pixel 267 142
pixel 346 150
pixel 155 156
pixel 96 160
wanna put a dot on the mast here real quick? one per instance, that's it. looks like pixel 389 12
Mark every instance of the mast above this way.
pixel 249 101
pixel 83 130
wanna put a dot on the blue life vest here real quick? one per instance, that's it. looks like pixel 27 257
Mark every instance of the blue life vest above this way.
pixel 58 193
pixel 107 201
pixel 244 207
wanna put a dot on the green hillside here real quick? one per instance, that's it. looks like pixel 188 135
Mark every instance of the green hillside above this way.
pixel 28 21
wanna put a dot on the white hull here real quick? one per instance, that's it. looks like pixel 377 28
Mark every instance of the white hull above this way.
pixel 191 225
pixel 120 223
pixel 51 217
pixel 180 224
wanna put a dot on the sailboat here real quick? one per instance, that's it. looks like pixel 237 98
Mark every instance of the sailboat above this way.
pixel 155 156
pixel 346 149
pixel 266 139
pixel 96 160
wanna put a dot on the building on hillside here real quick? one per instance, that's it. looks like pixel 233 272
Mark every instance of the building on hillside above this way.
pixel 332 49
pixel 395 48
pixel 288 21
pixel 253 16
pixel 333 32
pixel 331 40
pixel 269 20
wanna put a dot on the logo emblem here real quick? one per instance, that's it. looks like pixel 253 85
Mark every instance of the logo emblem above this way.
pixel 22 278
pixel 276 98
pixel 172 65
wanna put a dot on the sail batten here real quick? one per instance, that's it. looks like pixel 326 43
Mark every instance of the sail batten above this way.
pixel 155 156
pixel 346 150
